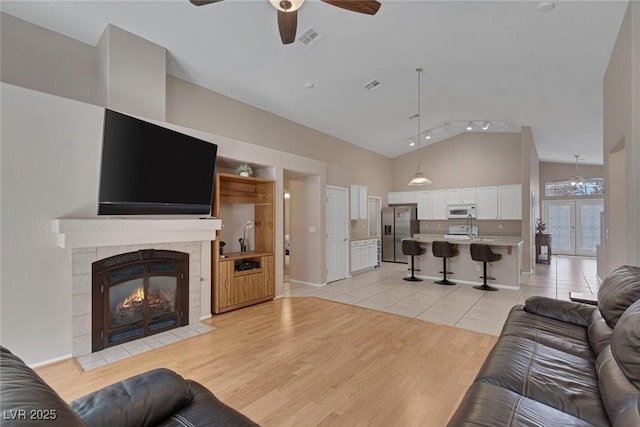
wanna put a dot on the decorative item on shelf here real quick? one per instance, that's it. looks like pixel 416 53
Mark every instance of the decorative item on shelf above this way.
pixel 418 177
pixel 243 246
pixel 249 225
pixel 222 245
pixel 244 170
pixel 541 227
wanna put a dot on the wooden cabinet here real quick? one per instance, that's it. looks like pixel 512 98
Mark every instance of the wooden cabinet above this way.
pixel 359 202
pixel 233 285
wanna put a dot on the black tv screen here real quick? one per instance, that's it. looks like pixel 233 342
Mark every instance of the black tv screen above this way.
pixel 147 169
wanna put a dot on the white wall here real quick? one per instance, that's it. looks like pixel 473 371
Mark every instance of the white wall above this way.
pixel 51 153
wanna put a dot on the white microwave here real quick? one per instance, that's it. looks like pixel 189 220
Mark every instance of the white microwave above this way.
pixel 461 211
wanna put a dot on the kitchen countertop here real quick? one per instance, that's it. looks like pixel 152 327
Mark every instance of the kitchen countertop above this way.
pixel 489 240
pixel 365 238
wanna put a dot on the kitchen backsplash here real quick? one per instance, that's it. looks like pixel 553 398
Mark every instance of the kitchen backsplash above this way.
pixel 359 229
pixel 485 228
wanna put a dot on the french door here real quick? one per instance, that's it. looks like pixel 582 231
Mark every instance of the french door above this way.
pixel 574 225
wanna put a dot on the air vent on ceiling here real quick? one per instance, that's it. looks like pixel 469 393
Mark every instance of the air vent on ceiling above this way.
pixel 372 85
pixel 310 37
pixel 414 116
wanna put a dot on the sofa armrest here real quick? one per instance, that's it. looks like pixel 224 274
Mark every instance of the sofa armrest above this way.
pixel 143 400
pixel 565 311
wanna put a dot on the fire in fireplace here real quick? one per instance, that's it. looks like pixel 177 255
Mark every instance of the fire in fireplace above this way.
pixel 138 294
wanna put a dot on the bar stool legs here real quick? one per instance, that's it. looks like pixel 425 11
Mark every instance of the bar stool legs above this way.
pixel 484 286
pixel 412 248
pixel 444 250
pixel 482 252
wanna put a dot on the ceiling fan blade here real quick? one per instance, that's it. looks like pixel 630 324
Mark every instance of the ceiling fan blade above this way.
pixel 369 7
pixel 203 2
pixel 287 24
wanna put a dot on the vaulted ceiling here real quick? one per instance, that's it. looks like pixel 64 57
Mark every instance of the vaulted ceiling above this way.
pixel 503 62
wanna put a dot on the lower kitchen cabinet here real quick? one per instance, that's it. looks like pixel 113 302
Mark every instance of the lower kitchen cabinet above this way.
pixel 364 254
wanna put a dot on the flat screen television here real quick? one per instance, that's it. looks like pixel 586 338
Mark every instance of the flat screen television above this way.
pixel 147 169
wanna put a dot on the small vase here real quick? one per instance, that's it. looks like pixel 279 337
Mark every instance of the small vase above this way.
pixel 243 248
pixel 244 173
pixel 221 251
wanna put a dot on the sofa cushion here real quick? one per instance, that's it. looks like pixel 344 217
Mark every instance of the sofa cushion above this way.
pixel 25 399
pixel 620 397
pixel 555 378
pixel 619 290
pixel 625 343
pixel 599 332
pixel 564 336
pixel 491 406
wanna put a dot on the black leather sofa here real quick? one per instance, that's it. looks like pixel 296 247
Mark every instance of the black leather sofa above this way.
pixel 562 363
pixel 156 398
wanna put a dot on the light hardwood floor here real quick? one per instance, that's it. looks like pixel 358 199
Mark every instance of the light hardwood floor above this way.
pixel 313 362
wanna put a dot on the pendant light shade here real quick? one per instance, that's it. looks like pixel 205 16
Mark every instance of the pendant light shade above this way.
pixel 418 177
pixel 576 179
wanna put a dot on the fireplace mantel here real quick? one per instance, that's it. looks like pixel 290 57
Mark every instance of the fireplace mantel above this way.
pixel 95 232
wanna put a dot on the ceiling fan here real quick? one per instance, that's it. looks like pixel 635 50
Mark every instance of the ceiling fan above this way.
pixel 288 12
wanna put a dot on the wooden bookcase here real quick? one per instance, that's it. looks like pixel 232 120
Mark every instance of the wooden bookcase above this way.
pixel 233 289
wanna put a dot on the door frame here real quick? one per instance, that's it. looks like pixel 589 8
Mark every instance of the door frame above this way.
pixel 347 223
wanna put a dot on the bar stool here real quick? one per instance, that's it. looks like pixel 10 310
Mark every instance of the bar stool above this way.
pixel 481 252
pixel 412 248
pixel 444 250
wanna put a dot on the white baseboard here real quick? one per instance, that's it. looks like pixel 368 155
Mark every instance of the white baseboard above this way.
pixel 50 361
pixel 208 316
pixel 317 285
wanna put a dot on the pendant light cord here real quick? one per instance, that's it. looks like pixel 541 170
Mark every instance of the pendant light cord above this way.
pixel 419 71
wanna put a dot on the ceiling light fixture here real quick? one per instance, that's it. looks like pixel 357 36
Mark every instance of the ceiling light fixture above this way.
pixel 469 126
pixel 546 6
pixel 576 179
pixel 504 128
pixel 428 135
pixel 287 5
pixel 412 143
pixel 419 178
pixel 485 125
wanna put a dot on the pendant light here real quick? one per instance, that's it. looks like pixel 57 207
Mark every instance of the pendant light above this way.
pixel 419 178
pixel 576 179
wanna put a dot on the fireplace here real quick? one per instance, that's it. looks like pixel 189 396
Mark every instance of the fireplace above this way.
pixel 137 294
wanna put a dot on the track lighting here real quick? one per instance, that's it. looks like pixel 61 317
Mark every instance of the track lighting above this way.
pixel 485 125
pixel 469 126
pixel 428 135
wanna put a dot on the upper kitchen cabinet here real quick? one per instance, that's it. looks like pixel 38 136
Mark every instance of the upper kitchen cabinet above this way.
pixel 359 202
pixel 439 202
pixel 402 197
pixel 425 205
pixel 487 202
pixel 499 202
pixel 461 196
pixel 510 201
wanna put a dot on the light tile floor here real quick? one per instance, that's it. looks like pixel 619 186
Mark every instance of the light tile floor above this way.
pixel 461 305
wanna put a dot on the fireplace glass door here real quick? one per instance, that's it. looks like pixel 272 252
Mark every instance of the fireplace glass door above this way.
pixel 139 298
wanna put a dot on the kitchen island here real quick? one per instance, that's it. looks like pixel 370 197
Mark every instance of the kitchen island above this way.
pixel 464 269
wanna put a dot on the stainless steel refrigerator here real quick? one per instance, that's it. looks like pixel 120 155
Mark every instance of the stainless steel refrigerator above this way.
pixel 398 222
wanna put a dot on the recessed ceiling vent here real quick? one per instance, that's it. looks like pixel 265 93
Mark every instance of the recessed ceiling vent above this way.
pixel 310 37
pixel 414 116
pixel 372 85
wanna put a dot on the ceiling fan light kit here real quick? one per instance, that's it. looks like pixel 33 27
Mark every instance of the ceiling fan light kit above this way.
pixel 288 12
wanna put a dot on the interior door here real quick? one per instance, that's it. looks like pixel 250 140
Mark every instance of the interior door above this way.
pixel 337 234
pixel 574 225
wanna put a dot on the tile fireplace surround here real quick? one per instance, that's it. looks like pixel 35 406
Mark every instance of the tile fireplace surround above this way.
pixel 92 239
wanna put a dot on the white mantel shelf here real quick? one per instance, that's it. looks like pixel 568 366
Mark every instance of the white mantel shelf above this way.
pixel 94 232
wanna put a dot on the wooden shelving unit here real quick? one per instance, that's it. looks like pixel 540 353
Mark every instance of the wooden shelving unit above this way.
pixel 233 289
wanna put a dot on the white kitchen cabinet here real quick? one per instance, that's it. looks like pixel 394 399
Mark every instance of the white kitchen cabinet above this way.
pixel 394 198
pixel 487 202
pixel 439 202
pixel 510 201
pixel 409 197
pixel 461 196
pixel 424 205
pixel 364 254
pixel 359 202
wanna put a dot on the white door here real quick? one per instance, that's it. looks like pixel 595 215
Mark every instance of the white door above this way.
pixel 574 225
pixel 337 233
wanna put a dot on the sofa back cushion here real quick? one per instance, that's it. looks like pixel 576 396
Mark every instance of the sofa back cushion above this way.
pixel 619 396
pixel 625 343
pixel 599 332
pixel 619 290
pixel 25 399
